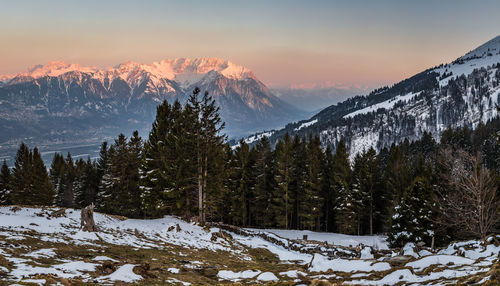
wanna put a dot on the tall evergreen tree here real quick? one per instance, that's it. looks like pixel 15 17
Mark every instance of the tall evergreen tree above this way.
pixel 313 202
pixel 21 176
pixel 263 172
pixel 43 191
pixel 282 200
pixel 5 181
pixel 152 172
pixel 413 217
pixel 57 169
pixel 344 217
pixel 242 182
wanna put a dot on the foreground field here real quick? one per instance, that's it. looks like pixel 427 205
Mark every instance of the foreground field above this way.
pixel 45 246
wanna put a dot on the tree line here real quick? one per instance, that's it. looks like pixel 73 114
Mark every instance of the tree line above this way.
pixel 413 191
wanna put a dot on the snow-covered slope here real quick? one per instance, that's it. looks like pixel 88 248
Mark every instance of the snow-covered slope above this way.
pixel 462 93
pixel 38 247
pixel 65 101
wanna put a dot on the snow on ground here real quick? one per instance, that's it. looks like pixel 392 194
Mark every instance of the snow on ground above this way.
pixel 375 241
pixel 282 253
pixel 388 104
pixel 351 258
pixel 306 124
pixel 237 276
pixel 124 273
pixel 321 263
pixel 190 235
pixel 267 277
pixel 257 137
pixel 422 263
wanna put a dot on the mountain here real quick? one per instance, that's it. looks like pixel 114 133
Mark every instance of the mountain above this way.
pixel 315 98
pixel 66 102
pixel 462 93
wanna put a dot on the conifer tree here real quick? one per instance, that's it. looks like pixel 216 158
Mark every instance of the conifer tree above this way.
pixel 357 192
pixel 328 191
pixel 241 167
pixel 212 152
pixel 43 191
pixel 413 216
pixel 67 194
pixel 57 169
pixel 264 184
pixel 344 218
pixel 21 176
pixel 86 183
pixel 313 201
pixel 282 200
pixel 298 183
pixel 5 181
pixel 152 171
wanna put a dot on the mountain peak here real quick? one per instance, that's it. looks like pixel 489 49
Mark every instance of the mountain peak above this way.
pixel 55 68
pixel 184 70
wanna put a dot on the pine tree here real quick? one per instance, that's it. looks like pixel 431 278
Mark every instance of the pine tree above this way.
pixel 5 181
pixel 134 159
pixel 43 191
pixel 86 183
pixel 357 192
pixel 66 196
pixel 376 197
pixel 21 176
pixel 413 216
pixel 397 174
pixel 241 167
pixel 282 200
pixel 263 172
pixel 57 169
pixel 212 153
pixel 298 183
pixel 313 202
pixel 152 171
pixel 344 218
pixel 328 191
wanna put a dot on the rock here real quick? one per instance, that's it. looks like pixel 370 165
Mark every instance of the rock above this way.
pixel 398 260
pixel 58 213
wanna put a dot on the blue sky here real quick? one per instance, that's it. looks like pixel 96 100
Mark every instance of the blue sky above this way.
pixel 283 42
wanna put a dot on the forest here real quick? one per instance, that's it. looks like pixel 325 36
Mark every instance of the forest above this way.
pixel 422 191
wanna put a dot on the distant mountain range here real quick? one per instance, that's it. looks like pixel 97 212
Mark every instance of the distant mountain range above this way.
pixel 462 93
pixel 64 102
pixel 316 98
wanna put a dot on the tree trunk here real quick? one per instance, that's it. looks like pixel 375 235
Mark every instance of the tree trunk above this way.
pixel 371 217
pixel 205 175
pixel 87 219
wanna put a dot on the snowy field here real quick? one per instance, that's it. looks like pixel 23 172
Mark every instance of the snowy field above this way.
pixel 38 248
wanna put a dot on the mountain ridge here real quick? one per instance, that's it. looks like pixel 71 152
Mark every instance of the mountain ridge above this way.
pixel 63 101
pixel 461 93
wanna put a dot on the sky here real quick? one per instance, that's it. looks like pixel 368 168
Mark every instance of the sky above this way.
pixel 286 43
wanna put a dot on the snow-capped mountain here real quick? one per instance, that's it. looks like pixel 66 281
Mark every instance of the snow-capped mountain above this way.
pixel 64 101
pixel 462 93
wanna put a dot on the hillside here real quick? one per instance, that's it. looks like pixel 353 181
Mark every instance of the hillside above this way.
pixel 462 93
pixel 38 247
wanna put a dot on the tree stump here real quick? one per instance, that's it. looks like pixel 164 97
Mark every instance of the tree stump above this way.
pixel 87 216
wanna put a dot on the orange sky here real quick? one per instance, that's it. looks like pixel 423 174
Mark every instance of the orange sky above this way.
pixel 368 43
